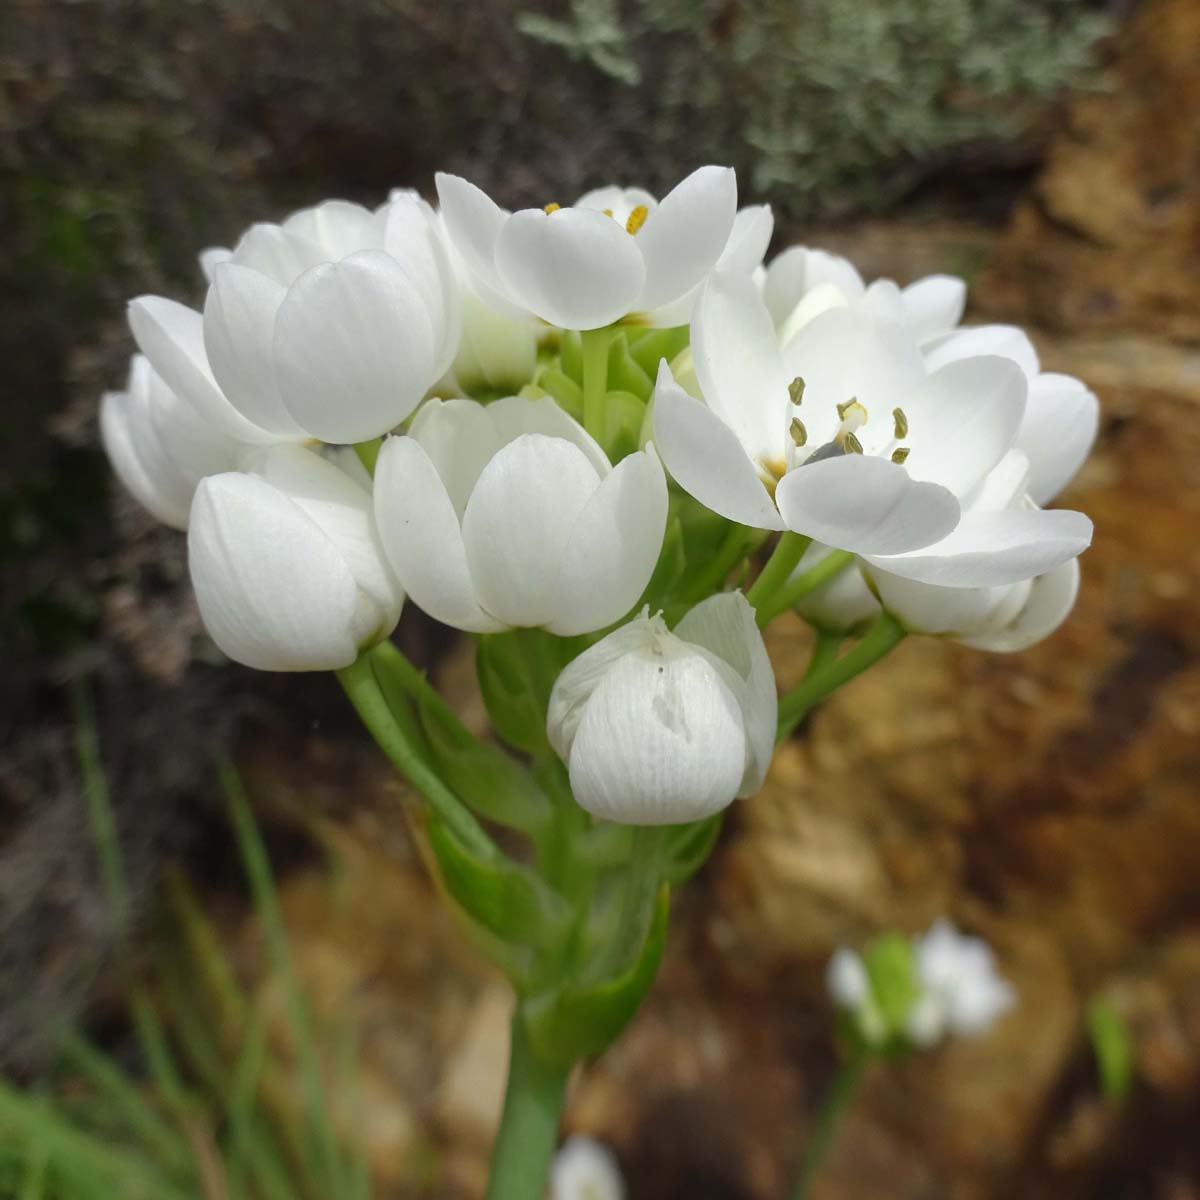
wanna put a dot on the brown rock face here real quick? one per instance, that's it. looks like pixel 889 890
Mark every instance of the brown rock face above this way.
pixel 1110 236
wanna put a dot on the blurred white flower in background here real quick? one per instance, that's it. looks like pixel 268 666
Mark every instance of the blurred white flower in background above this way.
pixel 661 726
pixel 585 1169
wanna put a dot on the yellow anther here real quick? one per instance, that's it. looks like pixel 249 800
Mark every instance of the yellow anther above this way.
pixel 796 390
pixel 901 422
pixel 852 445
pixel 899 455
pixel 637 218
pixel 608 212
pixel 798 432
pixel 853 412
pixel 552 207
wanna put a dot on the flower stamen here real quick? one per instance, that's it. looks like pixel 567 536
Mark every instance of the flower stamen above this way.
pixel 637 218
pixel 798 431
pixel 552 207
pixel 901 422
pixel 796 390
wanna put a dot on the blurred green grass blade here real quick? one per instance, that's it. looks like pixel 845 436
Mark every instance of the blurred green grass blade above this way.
pixel 127 1100
pixel 358 1183
pixel 327 1169
pixel 1113 1049
pixel 33 1180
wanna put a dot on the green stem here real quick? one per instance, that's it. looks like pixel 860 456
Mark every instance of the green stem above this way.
pixel 789 550
pixel 361 686
pixel 799 586
pixel 594 343
pixel 738 541
pixel 838 1099
pixel 882 636
pixel 533 1102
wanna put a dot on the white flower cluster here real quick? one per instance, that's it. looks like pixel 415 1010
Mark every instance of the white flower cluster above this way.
pixel 363 410
pixel 944 984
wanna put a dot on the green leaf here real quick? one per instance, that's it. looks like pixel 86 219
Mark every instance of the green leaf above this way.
pixel 504 897
pixel 566 392
pixel 623 413
pixel 650 348
pixel 688 848
pixel 1113 1049
pixel 512 705
pixel 570 351
pixel 625 373
pixel 890 967
pixel 494 784
pixel 572 1021
pixel 669 569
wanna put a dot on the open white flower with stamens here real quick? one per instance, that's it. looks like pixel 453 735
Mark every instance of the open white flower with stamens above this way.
pixel 961 991
pixel 615 254
pixel 661 726
pixel 332 325
pixel 846 437
pixel 584 1169
pixel 510 515
pixel 287 566
pixel 159 446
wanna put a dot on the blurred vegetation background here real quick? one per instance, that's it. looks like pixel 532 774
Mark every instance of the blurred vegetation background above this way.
pixel 1045 148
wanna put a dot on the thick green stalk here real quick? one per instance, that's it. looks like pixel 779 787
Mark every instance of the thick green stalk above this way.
pixel 799 586
pixel 789 550
pixel 837 1100
pixel 883 635
pixel 595 344
pixel 359 682
pixel 738 541
pixel 533 1102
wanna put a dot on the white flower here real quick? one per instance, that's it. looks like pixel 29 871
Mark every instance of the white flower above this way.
pixel 159 447
pixel 496 353
pixel 286 563
pixel 961 991
pixel 802 282
pixel 878 456
pixel 584 1169
pixel 332 325
pixel 1005 617
pixel 659 727
pixel 511 515
pixel 616 253
pixel 849 987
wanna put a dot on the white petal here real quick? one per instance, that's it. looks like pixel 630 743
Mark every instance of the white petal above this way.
pixel 1049 604
pixel 1004 486
pixel 617 202
pixel 190 442
pixel 585 1170
pixel 154 482
pixel 353 348
pixel 212 257
pixel 816 301
pixel 515 415
pixel 612 548
pixel 171 336
pixel 987 549
pixel 340 504
pixel 422 538
pixel 660 742
pixel 686 234
pixel 518 521
pixel 724 625
pixel 410 233
pixel 1007 341
pixel 749 239
pixel 582 675
pixel 496 350
pixel 239 336
pixel 933 305
pixel 882 300
pixel 847 353
pixel 846 979
pixel 795 272
pixel 460 438
pixel 338 227
pixel 473 221
pixel 706 459
pixel 842 605
pixel 282 256
pixel 866 505
pixel 738 365
pixel 1061 421
pixel 927 608
pixel 963 420
pixel 272 589
pixel 575 268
